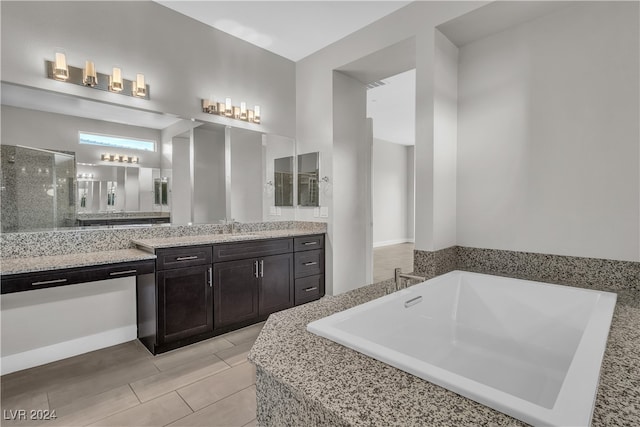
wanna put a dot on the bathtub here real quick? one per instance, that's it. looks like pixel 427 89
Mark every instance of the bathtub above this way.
pixel 528 349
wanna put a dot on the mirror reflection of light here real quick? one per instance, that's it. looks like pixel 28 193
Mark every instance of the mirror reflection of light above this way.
pixel 50 192
pixel 238 30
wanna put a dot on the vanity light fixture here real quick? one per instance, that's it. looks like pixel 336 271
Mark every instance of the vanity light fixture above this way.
pixel 87 76
pixel 210 106
pixel 243 111
pixel 115 80
pixel 227 109
pixel 60 69
pixel 119 158
pixel 138 88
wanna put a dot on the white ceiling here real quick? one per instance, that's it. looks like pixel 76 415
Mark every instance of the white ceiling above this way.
pixel 393 109
pixel 293 29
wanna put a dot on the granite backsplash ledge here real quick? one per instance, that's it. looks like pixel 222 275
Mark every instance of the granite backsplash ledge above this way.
pixel 98 239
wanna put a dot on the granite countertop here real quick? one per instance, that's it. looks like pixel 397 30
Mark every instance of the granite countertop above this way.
pixel 353 389
pixel 172 242
pixel 59 262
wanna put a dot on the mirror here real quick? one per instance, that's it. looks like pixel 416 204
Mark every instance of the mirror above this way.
pixel 283 181
pixel 308 173
pixel 199 173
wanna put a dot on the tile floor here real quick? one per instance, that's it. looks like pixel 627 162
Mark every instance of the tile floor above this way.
pixel 386 258
pixel 210 383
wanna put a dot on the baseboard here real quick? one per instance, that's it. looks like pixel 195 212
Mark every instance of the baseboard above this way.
pixel 392 242
pixel 59 351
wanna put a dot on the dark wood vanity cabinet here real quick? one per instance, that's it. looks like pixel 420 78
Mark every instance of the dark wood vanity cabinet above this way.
pixel 175 306
pixel 201 291
pixel 235 292
pixel 249 289
pixel 309 268
pixel 184 302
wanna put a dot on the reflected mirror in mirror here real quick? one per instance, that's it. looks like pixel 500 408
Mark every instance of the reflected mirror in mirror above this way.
pixel 308 172
pixel 114 194
pixel 283 181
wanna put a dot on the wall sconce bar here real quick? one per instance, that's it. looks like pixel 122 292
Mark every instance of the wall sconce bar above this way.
pixel 101 81
pixel 119 158
pixel 226 109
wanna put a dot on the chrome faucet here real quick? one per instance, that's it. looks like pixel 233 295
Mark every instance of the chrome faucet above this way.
pixel 401 277
pixel 232 222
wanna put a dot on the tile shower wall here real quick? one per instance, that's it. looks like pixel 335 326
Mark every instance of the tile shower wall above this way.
pixel 39 186
pixel 594 273
pixel 80 240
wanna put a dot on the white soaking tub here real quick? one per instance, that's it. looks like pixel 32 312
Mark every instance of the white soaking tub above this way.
pixel 531 350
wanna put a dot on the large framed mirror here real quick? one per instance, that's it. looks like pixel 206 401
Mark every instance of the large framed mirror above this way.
pixel 225 180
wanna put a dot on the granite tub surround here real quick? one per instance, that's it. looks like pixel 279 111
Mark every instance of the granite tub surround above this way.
pixel 303 379
pixel 81 240
pixel 434 263
pixel 59 262
pixel 592 273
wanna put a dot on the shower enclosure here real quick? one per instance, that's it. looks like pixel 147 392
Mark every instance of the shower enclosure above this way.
pixel 37 188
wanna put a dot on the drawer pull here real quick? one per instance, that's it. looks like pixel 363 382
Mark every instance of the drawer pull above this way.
pixel 261 268
pixel 186 258
pixel 210 277
pixel 310 243
pixel 307 264
pixel 310 289
pixel 118 273
pixel 49 282
pixel 255 272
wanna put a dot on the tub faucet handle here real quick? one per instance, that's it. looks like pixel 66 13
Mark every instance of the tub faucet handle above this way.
pixel 401 278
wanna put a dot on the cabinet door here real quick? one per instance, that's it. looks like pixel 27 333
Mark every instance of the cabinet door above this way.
pixel 235 289
pixel 276 283
pixel 184 303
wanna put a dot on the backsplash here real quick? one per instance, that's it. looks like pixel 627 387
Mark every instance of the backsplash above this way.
pixel 594 273
pixel 79 240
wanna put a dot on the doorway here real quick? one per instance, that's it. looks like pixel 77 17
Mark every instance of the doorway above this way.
pixel 391 106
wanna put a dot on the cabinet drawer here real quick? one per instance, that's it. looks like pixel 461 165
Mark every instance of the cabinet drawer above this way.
pixel 308 243
pixel 253 249
pixel 309 263
pixel 309 288
pixel 70 276
pixel 183 257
